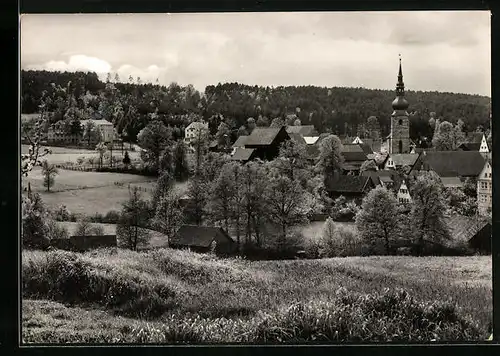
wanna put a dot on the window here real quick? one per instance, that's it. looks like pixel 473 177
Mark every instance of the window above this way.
pixel 484 185
pixel 400 121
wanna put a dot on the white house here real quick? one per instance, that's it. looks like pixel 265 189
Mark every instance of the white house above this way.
pixel 484 145
pixel 403 194
pixel 357 140
pixel 192 131
pixel 105 127
pixel 484 189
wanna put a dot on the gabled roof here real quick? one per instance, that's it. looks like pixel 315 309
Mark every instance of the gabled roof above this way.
pixel 461 163
pixel 243 154
pixel 451 182
pixel 475 137
pixel 297 137
pixel 304 130
pixel 198 236
pixel 347 184
pixel 470 146
pixel 404 159
pixel 463 228
pixel 263 136
pixel 380 175
pixel 352 147
pixel 366 148
pixel 240 141
pixel 354 156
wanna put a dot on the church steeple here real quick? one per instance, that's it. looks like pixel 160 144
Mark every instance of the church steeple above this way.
pixel 400 102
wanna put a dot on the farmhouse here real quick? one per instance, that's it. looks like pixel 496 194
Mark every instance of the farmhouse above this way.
pixel 266 141
pixel 476 232
pixel 203 239
pixel 354 187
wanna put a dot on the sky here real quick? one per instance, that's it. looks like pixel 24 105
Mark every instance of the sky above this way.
pixel 440 51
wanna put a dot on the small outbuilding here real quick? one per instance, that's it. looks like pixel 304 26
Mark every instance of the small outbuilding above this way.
pixel 204 239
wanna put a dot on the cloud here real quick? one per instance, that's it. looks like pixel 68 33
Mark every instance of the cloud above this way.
pixel 445 50
pixel 77 62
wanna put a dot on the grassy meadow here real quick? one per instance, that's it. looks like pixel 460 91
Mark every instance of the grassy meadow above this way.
pixel 88 193
pixel 176 296
pixel 62 155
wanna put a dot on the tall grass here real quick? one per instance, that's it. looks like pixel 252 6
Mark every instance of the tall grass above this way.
pixel 184 293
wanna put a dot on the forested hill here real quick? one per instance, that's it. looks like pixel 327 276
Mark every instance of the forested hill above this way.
pixel 337 109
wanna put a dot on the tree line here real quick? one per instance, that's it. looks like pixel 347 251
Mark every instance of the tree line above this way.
pixel 129 104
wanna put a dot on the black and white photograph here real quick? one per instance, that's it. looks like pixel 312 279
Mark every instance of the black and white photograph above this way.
pixel 255 178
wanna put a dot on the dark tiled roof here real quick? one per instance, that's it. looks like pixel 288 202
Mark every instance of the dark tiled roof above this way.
pixel 199 236
pixel 463 228
pixel 475 137
pixel 351 147
pixel 470 146
pixel 304 130
pixel 347 184
pixel 297 137
pixel 381 174
pixel 354 156
pixel 451 182
pixel 462 163
pixel 366 148
pixel 404 159
pixel 243 154
pixel 262 136
pixel 240 141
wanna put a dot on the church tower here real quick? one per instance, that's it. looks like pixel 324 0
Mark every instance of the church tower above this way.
pixel 400 123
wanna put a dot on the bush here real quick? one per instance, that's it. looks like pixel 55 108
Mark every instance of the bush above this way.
pixel 343 210
pixel 34 228
pixel 338 241
pixel 56 231
pixel 62 214
pixel 86 228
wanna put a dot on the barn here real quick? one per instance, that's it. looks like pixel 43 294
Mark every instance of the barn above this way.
pixel 203 239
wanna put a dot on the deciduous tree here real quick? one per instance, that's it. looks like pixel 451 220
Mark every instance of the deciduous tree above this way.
pixel 378 217
pixel 427 214
pixel 169 215
pixel 49 171
pixel 153 139
pixel 330 158
pixel 131 229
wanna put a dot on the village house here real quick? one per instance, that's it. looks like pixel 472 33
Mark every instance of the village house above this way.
pixel 484 189
pixel 400 160
pixel 403 193
pixel 203 239
pixel 192 131
pixel 56 134
pixel 351 187
pixel 266 141
pixel 106 129
pixel 477 142
pixel 354 156
pixel 387 179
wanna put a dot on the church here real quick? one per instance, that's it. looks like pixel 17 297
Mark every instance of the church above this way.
pixel 399 139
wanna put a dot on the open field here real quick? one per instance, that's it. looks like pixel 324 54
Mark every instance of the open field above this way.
pixel 180 296
pixel 74 180
pixel 62 155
